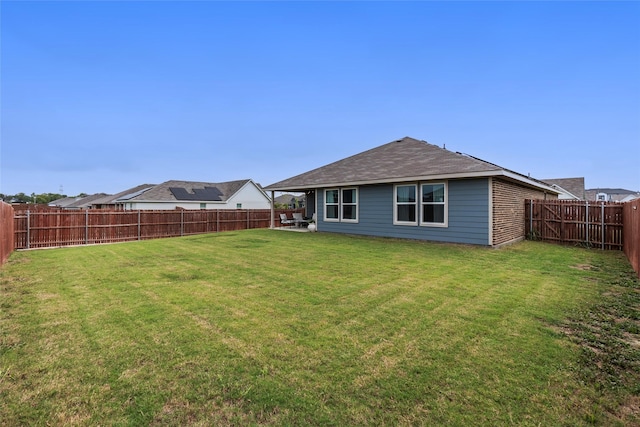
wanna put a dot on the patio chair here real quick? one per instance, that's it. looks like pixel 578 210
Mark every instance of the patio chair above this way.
pixel 286 221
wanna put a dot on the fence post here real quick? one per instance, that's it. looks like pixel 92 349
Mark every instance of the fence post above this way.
pixel 531 218
pixel 86 226
pixel 586 220
pixel 138 224
pixel 603 225
pixel 181 223
pixel 28 228
pixel 247 219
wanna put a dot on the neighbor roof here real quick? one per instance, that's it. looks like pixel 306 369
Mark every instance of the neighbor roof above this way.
pixel 109 200
pixel 65 201
pixel 85 202
pixel 406 159
pixel 193 191
pixel 616 194
pixel 574 186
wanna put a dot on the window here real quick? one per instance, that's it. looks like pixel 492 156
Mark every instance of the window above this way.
pixel 341 204
pixel 405 205
pixel 238 205
pixel 349 204
pixel 433 205
pixel 203 206
pixel 331 205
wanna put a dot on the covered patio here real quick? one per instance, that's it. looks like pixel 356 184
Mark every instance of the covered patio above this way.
pixel 298 221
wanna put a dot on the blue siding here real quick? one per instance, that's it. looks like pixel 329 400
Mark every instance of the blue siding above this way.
pixel 468 215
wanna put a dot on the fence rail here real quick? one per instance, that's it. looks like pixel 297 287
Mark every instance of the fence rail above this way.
pixel 52 228
pixel 591 224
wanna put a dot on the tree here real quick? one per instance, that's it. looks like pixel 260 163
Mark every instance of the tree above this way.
pixel 44 198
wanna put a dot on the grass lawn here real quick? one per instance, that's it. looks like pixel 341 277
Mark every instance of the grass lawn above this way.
pixel 265 327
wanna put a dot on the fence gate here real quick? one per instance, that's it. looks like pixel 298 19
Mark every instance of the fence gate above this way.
pixel 578 222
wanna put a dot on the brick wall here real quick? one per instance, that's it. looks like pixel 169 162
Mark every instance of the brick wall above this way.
pixel 508 209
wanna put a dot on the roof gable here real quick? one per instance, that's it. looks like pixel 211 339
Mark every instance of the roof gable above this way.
pixel 404 159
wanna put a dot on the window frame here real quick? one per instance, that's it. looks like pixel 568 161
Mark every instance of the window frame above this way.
pixel 326 204
pixel 397 221
pixel 444 203
pixel 342 204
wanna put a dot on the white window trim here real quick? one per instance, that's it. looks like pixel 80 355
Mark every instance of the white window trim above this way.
pixel 445 203
pixel 331 204
pixel 356 204
pixel 340 204
pixel 395 205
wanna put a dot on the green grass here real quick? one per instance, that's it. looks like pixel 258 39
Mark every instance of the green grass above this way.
pixel 266 327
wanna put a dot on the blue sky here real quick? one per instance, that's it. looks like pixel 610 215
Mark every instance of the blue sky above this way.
pixel 103 96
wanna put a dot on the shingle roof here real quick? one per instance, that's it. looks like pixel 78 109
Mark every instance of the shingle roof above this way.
pixel 85 202
pixel 163 192
pixel 404 159
pixel 108 200
pixel 574 186
pixel 65 201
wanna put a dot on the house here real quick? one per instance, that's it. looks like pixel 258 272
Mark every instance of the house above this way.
pixel 77 203
pixel 611 194
pixel 630 197
pixel 570 188
pixel 291 201
pixel 110 201
pixel 64 202
pixel 412 189
pixel 242 194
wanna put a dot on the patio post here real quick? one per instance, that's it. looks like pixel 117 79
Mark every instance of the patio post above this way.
pixel 272 223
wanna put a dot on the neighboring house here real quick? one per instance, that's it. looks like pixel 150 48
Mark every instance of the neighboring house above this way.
pixel 570 188
pixel 292 201
pixel 109 202
pixel 412 189
pixel 77 202
pixel 242 194
pixel 64 202
pixel 611 194
pixel 630 197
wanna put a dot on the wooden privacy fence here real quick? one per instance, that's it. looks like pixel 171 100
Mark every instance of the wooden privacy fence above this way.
pixel 6 231
pixel 631 239
pixel 42 229
pixel 591 224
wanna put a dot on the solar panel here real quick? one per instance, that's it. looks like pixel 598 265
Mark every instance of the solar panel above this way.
pixel 209 194
pixel 134 194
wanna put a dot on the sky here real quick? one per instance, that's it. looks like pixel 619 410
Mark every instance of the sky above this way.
pixel 99 97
